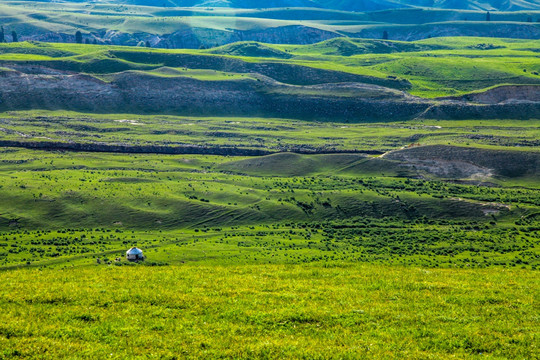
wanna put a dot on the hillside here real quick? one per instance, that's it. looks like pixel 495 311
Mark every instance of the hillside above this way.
pixel 343 80
pixel 437 161
pixel 301 179
pixel 217 23
pixel 187 205
pixel 347 5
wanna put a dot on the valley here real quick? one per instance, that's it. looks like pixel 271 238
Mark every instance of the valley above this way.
pixel 310 180
pixel 348 202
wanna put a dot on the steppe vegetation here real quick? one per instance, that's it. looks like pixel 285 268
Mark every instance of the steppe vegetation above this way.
pixel 70 208
pixel 427 68
pixel 174 24
pixel 269 311
pixel 321 190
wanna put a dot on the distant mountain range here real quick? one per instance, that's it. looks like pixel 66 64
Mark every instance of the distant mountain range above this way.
pixel 345 5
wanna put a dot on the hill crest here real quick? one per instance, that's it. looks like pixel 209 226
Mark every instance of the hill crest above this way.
pixel 347 5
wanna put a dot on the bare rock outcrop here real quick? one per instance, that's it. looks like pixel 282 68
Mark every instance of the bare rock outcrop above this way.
pixel 462 162
pixel 505 94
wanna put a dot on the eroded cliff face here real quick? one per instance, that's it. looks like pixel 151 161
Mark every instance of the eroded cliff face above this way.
pixel 141 93
pixel 460 162
pixel 506 94
pixel 197 37
pixel 37 87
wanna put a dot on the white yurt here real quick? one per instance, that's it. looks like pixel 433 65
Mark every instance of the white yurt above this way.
pixel 134 254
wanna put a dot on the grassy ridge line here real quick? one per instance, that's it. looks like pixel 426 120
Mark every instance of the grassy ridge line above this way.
pixel 324 5
pixel 278 9
pixel 343 311
pixel 39 18
pixel 425 68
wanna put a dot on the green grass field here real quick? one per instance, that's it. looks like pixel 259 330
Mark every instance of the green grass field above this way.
pixel 67 208
pixel 283 256
pixel 413 239
pixel 274 135
pixel 62 209
pixel 269 312
pixel 130 23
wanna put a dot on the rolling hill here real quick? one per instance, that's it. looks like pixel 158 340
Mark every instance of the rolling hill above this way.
pixel 176 25
pixel 346 80
pixel 316 179
pixel 346 5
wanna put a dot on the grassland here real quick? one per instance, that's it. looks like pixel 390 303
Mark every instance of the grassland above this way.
pixel 269 311
pixel 428 68
pixel 344 239
pixel 71 208
pixel 271 135
pixel 287 255
pixel 165 25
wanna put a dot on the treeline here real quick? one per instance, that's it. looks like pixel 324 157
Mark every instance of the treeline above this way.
pixel 14 36
pixel 79 40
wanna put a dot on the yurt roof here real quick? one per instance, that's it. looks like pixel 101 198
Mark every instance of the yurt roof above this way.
pixel 134 251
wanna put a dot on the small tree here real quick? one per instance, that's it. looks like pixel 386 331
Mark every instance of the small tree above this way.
pixel 385 35
pixel 78 37
pixel 14 36
pixel 2 36
pixel 148 44
pixel 488 16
